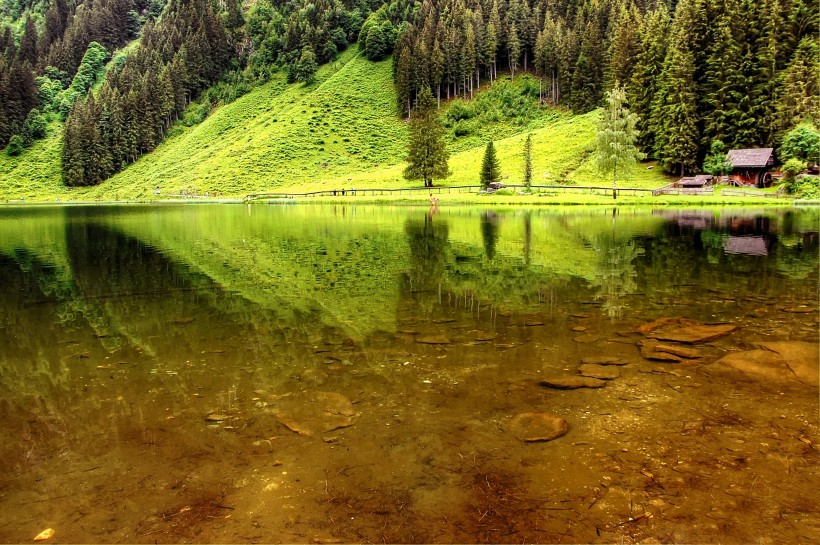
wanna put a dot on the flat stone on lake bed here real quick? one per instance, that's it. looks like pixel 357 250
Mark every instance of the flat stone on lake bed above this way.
pixel 485 336
pixel 216 417
pixel 684 330
pixel 533 323
pixel 683 352
pixel 586 338
pixel 579 328
pixel 648 352
pixel 603 372
pixel 604 360
pixel 532 427
pixel 433 339
pixel 572 383
pixel 800 310
pixel 315 413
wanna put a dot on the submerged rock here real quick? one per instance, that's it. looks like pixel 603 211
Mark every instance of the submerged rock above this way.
pixel 648 352
pixel 531 427
pixel 604 360
pixel 785 361
pixel 684 330
pixel 586 338
pixel 802 309
pixel 573 383
pixel 433 339
pixel 315 413
pixel 603 372
pixel 682 351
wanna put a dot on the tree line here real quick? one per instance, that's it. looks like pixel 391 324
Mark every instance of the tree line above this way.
pixel 42 45
pixel 739 71
pixel 184 53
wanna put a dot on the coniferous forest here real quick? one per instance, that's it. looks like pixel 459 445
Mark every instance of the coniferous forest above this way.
pixel 120 73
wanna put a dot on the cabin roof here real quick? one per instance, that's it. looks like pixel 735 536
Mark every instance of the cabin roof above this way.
pixel 750 158
pixel 695 181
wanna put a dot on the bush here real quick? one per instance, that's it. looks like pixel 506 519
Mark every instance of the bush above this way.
pixel 35 125
pixel 459 110
pixel 792 168
pixel 802 142
pixel 15 146
pixel 195 114
pixel 806 187
pixel 462 128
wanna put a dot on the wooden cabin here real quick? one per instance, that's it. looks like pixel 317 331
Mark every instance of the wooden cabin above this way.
pixel 699 181
pixel 751 166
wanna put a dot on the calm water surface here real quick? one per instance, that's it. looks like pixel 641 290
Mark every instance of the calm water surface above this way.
pixel 323 374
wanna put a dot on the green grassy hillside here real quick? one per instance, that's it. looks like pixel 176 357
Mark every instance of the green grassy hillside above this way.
pixel 341 131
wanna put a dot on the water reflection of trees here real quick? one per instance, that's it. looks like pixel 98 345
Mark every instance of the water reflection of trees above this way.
pixel 615 275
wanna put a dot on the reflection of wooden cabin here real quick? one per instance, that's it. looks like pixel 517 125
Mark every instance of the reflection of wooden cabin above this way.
pixel 751 166
pixel 747 245
pixel 701 180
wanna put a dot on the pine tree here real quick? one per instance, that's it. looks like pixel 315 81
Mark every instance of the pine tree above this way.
pixel 617 136
pixel 427 156
pixel 798 91
pixel 404 72
pixel 528 162
pixel 644 85
pixel 490 169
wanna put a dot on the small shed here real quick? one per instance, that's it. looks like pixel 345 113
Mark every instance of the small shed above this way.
pixel 701 180
pixel 751 166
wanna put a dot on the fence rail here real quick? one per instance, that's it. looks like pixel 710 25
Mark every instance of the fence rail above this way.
pixel 667 190
pixel 749 193
pixel 578 189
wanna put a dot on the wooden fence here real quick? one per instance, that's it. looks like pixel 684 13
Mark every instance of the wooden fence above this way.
pixel 750 193
pixel 672 190
pixel 540 189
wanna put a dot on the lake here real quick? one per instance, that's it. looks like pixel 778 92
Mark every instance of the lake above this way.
pixel 324 374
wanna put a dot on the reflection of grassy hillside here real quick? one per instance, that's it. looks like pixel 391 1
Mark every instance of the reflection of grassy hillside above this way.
pixel 338 269
pixel 344 264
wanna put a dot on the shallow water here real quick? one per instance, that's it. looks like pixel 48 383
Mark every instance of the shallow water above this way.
pixel 351 373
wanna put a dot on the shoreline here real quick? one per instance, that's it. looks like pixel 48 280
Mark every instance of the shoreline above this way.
pixel 443 201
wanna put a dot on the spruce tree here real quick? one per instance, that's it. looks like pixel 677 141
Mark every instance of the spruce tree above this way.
pixel 528 162
pixel 676 143
pixel 426 156
pixel 490 169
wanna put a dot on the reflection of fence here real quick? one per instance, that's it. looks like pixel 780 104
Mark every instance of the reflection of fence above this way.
pixel 539 189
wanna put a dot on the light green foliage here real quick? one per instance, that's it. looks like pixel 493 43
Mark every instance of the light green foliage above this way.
pixel 48 91
pixel 802 142
pixel 35 125
pixel 717 163
pixel 304 70
pixel 791 169
pixel 91 70
pixel 806 187
pixel 617 136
